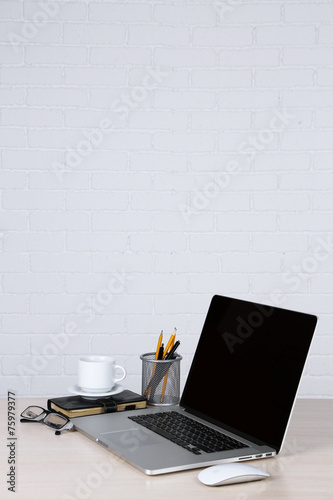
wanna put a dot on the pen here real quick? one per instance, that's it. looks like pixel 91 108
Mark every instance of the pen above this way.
pixel 170 355
pixel 160 354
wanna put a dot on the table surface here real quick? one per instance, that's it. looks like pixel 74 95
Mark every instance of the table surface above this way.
pixel 71 466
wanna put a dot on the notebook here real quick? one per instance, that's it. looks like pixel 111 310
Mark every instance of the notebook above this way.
pixel 242 385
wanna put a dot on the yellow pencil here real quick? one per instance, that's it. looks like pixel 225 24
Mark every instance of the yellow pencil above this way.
pixel 160 338
pixel 173 336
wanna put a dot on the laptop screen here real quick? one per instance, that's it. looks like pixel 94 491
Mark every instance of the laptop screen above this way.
pixel 247 367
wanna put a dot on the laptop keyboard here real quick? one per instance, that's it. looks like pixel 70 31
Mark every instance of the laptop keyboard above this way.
pixel 187 433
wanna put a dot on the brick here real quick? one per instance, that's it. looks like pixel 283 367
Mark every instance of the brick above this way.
pixel 12 54
pixel 32 283
pixel 322 201
pixel 226 283
pixel 157 242
pixel 158 120
pixel 156 161
pixel 13 262
pixel 325 77
pixel 222 36
pixel 183 142
pixel 54 54
pixel 13 221
pixel 12 137
pixel 282 161
pixel 12 180
pixel 91 76
pixel 10 10
pixel 96 201
pixel 38 32
pixel 184 57
pixel 285 35
pixel 31 117
pixel 183 99
pixel 157 201
pixel 18 344
pixel 323 118
pixel 281 202
pixel 279 243
pixel 118 221
pixel 307 56
pixel 298 222
pixel 186 262
pixel 157 284
pixel 56 262
pixel 31 200
pixel 119 56
pixel 121 181
pixel 96 242
pixel 119 262
pixel 311 181
pixel 120 12
pixel 248 99
pixel 59 221
pixel 323 161
pixel 253 58
pixel 158 35
pixel 307 140
pixel 219 242
pixel 284 77
pixel 221 78
pixel 255 14
pixel 311 13
pixel 57 96
pixel 186 217
pixel 33 242
pixel 246 222
pixel 185 14
pixel 13 304
pixel 217 120
pixel 30 159
pixel 70 180
pixel 94 34
pixel 12 96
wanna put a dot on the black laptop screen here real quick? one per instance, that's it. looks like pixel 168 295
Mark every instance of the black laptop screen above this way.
pixel 247 367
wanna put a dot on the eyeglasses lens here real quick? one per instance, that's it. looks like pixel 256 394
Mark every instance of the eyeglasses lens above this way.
pixel 32 412
pixel 54 420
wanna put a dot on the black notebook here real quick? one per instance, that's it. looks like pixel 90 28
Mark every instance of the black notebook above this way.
pixel 78 406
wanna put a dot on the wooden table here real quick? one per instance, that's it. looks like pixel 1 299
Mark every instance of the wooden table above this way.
pixel 70 466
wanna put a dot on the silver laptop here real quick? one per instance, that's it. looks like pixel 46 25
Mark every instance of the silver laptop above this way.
pixel 242 385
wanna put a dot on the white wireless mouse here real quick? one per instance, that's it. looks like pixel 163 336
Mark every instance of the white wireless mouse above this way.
pixel 219 475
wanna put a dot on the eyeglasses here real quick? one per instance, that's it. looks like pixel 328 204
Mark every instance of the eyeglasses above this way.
pixel 49 418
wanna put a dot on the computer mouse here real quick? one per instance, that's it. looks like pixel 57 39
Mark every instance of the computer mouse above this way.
pixel 230 473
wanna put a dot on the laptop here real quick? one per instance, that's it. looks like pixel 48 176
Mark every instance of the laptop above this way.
pixel 241 385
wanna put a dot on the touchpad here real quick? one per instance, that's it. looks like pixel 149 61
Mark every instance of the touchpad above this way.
pixel 131 439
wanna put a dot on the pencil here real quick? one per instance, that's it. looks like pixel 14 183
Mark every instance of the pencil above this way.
pixel 159 343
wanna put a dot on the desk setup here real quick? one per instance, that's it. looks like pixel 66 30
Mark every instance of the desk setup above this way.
pixel 71 466
pixel 236 409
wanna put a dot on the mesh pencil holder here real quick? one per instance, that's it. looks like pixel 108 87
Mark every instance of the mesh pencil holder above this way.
pixel 161 380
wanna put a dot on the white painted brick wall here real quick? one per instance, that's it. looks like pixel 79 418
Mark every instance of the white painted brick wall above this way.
pixel 154 154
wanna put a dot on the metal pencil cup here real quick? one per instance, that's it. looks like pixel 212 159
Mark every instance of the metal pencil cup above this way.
pixel 161 380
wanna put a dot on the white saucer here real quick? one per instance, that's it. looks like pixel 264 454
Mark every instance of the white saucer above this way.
pixel 75 389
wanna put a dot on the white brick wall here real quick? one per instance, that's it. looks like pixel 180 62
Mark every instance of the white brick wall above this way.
pixel 154 154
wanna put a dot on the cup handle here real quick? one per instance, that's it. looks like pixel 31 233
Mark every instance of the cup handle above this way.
pixel 124 373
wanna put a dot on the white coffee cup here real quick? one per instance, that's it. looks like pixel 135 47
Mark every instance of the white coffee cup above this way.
pixel 96 374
